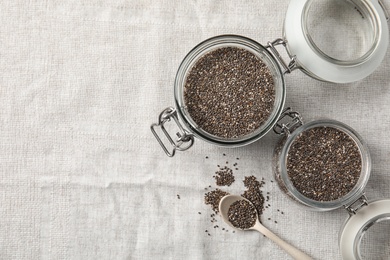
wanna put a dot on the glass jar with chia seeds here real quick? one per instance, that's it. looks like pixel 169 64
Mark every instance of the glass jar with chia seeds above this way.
pixel 324 165
pixel 230 90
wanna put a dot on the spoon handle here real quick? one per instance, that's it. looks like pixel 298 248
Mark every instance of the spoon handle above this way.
pixel 294 252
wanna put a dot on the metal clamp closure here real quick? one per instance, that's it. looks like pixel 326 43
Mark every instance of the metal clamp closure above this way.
pixel 287 67
pixel 184 139
pixel 356 205
pixel 288 122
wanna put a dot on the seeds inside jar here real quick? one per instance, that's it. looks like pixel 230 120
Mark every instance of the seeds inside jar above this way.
pixel 324 163
pixel 229 92
pixel 242 214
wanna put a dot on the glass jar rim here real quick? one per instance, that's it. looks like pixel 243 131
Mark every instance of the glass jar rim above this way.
pixel 226 41
pixel 355 226
pixel 320 66
pixel 373 18
pixel 353 194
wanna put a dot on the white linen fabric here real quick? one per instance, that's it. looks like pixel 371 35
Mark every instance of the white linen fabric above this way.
pixel 81 175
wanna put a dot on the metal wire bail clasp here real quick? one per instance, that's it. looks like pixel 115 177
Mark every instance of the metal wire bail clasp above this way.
pixel 287 67
pixel 288 122
pixel 356 205
pixel 184 139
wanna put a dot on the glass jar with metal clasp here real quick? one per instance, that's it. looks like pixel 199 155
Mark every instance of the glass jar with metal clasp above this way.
pixel 337 41
pixel 324 165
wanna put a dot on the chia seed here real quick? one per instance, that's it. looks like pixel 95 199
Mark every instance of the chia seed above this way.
pixel 253 193
pixel 324 163
pixel 224 177
pixel 252 182
pixel 213 198
pixel 242 214
pixel 229 92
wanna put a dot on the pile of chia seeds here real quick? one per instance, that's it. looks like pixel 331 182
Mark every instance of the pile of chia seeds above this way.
pixel 324 163
pixel 229 92
pixel 224 176
pixel 253 193
pixel 242 214
pixel 213 198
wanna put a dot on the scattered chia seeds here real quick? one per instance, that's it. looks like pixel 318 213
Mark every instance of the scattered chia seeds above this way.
pixel 253 193
pixel 242 214
pixel 324 163
pixel 229 92
pixel 213 198
pixel 252 182
pixel 224 177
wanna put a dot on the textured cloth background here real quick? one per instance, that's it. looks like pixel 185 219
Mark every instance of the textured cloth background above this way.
pixel 81 175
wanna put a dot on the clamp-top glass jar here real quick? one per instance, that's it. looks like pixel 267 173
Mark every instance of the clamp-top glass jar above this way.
pixel 220 65
pixel 325 165
pixel 321 148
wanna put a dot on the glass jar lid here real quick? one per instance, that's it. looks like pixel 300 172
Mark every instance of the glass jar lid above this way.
pixel 336 41
pixel 362 228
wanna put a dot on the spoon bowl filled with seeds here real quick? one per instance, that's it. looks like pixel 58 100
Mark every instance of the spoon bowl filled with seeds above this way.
pixel 241 214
